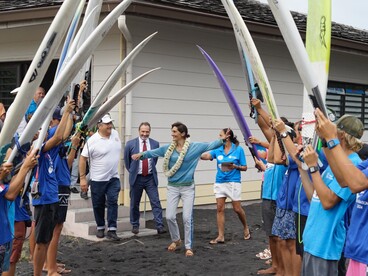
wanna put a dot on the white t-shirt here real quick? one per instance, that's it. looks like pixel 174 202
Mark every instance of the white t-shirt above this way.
pixel 103 155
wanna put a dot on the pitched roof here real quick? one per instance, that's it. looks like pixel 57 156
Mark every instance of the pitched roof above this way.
pixel 251 10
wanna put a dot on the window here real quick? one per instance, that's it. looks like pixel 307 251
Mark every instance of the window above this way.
pixel 347 98
pixel 12 74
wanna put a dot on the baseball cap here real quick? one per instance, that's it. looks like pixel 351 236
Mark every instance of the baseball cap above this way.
pixel 106 119
pixel 351 125
pixel 57 114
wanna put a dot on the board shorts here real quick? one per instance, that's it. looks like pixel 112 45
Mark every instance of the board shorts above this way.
pixel 284 224
pixel 230 190
pixel 300 225
pixel 268 215
pixel 20 230
pixel 46 217
pixel 5 251
pixel 313 265
pixel 64 194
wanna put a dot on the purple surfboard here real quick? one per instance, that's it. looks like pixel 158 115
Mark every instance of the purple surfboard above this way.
pixel 234 106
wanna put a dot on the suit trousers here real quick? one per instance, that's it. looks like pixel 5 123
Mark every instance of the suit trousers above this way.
pixel 146 183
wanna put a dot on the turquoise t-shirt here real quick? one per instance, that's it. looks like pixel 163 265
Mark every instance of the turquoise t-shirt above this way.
pixel 235 155
pixel 325 232
pixel 273 177
pixel 185 174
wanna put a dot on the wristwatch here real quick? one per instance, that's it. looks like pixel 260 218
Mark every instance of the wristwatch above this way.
pixel 333 143
pixel 313 169
pixel 284 134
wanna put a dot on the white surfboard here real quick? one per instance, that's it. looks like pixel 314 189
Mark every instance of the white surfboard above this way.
pixel 36 72
pixel 118 96
pixel 112 80
pixel 57 90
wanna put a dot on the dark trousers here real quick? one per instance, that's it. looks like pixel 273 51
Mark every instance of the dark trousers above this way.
pixel 146 183
pixel 102 192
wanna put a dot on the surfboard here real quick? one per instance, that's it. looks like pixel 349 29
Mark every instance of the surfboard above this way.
pixel 36 72
pixel 249 48
pixel 117 97
pixel 233 104
pixel 298 53
pixel 111 81
pixel 56 91
pixel 70 35
pixel 318 44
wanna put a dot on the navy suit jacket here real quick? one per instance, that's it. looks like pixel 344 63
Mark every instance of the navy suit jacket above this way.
pixel 132 166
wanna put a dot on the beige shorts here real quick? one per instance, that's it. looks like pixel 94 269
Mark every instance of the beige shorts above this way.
pixel 230 190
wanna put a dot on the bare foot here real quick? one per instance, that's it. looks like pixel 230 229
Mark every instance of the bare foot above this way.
pixel 270 270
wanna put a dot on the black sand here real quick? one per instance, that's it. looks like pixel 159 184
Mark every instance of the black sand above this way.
pixel 148 255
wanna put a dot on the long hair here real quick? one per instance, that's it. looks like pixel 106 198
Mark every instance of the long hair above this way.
pixel 181 128
pixel 351 142
pixel 232 137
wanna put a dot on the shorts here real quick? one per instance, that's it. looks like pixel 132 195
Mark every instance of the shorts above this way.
pixel 46 217
pixel 299 233
pixel 313 265
pixel 231 190
pixel 19 236
pixel 268 215
pixel 5 251
pixel 64 194
pixel 284 224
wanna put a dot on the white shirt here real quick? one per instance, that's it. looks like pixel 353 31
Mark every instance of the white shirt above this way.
pixel 103 155
pixel 149 159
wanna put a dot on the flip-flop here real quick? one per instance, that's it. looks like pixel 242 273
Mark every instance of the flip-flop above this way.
pixel 216 241
pixel 64 271
pixel 189 253
pixel 174 245
pixel 247 237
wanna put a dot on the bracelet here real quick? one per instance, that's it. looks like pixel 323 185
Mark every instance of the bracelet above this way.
pixel 74 148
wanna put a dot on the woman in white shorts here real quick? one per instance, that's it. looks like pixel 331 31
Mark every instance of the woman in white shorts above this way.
pixel 230 162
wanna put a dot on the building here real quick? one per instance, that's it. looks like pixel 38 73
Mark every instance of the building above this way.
pixel 185 88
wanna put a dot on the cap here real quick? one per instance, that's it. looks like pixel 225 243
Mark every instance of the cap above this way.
pixel 106 119
pixel 57 114
pixel 351 125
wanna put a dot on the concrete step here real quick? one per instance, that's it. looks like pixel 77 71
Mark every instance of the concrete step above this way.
pixel 123 224
pixel 86 214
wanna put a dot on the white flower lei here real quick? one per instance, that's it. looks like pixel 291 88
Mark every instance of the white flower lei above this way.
pixel 178 163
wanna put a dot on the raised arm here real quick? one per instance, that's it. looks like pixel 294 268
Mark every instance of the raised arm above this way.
pixel 327 197
pixel 352 177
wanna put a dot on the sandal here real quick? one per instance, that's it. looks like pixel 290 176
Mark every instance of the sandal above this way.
pixel 174 245
pixel 217 241
pixel 266 255
pixel 247 237
pixel 261 253
pixel 189 253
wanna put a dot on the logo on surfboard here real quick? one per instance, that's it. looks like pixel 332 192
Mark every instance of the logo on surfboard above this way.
pixel 322 33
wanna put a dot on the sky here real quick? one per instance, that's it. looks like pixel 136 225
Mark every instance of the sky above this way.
pixel 348 12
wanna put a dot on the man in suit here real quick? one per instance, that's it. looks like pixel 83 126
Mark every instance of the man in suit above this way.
pixel 143 176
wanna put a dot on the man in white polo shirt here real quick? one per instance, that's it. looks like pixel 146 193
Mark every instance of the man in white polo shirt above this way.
pixel 102 151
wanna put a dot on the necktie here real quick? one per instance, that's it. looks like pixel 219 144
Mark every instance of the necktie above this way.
pixel 145 161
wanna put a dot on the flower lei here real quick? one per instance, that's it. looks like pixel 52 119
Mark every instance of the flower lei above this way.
pixel 178 163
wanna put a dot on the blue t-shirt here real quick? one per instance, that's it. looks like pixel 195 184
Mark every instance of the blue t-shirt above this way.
pixel 62 170
pixel 288 186
pixel 273 177
pixel 324 233
pixel 356 246
pixel 21 213
pixel 235 155
pixel 185 174
pixel 300 201
pixel 31 110
pixel 47 183
pixel 5 235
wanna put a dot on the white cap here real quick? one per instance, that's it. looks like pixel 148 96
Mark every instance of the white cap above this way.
pixel 106 119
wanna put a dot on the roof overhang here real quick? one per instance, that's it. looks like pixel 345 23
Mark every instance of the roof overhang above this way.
pixel 172 13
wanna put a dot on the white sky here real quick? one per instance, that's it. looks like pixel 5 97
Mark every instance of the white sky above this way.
pixel 348 12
